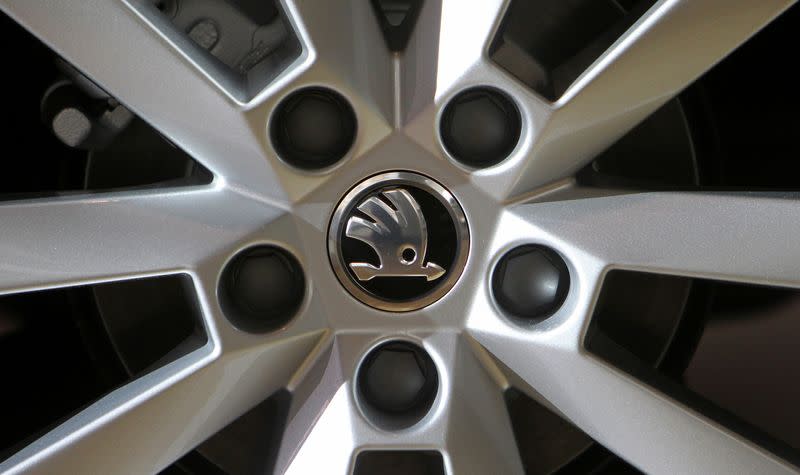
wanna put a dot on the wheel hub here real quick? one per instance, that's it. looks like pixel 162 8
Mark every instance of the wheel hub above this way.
pixel 439 190
pixel 398 241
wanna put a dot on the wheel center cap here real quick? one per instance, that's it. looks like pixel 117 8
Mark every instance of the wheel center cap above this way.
pixel 398 241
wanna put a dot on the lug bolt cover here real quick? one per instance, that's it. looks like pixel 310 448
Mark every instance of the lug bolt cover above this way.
pixel 263 288
pixel 313 128
pixel 480 127
pixel 398 381
pixel 531 282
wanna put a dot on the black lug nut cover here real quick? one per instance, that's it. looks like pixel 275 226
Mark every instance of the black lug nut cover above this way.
pixel 398 378
pixel 313 128
pixel 394 380
pixel 263 288
pixel 531 282
pixel 480 127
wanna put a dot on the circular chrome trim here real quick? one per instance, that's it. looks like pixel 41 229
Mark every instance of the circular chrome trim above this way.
pixel 352 198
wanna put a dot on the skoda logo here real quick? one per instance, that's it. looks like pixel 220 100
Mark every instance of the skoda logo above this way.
pixel 398 241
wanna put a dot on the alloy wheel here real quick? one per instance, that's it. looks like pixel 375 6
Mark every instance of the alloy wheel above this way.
pixel 296 139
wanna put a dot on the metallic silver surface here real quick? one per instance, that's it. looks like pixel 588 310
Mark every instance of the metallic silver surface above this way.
pixel 255 199
pixel 397 232
pixel 392 232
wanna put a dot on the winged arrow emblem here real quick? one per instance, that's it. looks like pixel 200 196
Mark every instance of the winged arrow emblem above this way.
pixel 395 228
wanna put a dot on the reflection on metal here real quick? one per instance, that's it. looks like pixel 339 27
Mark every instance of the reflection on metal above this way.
pixel 396 229
pixel 400 236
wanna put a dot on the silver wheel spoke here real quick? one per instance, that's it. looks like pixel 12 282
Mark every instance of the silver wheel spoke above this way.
pixel 693 234
pixel 344 50
pixel 324 417
pixel 446 53
pixel 470 427
pixel 347 47
pixel 738 237
pixel 672 45
pixel 646 429
pixel 110 43
pixel 332 435
pixel 479 434
pixel 91 238
pixel 448 42
pixel 321 420
pixel 149 423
